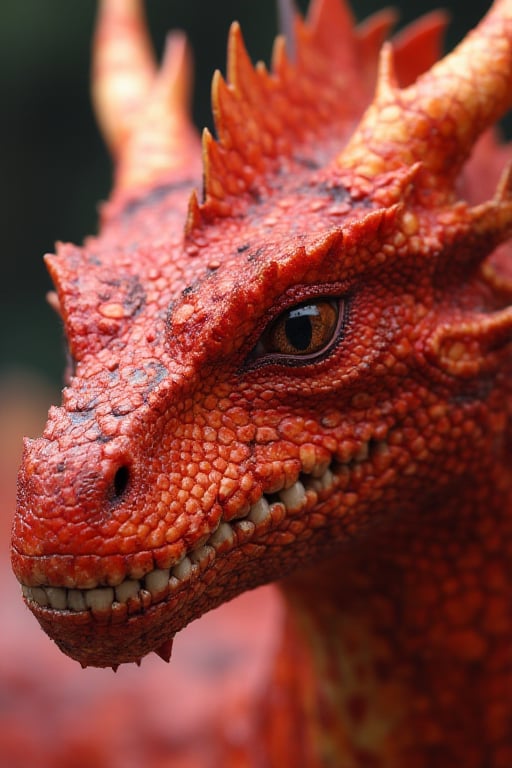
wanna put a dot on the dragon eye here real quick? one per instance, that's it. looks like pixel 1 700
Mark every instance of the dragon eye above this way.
pixel 302 331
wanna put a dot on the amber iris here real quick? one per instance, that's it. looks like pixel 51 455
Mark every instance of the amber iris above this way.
pixel 304 329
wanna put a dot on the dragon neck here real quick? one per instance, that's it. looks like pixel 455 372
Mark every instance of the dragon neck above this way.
pixel 384 641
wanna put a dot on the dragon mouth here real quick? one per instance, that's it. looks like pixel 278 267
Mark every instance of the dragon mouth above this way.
pixel 136 595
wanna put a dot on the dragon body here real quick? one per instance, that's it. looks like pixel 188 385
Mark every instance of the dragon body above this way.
pixel 290 360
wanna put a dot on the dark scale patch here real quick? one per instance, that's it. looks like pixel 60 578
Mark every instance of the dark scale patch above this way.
pixel 336 192
pixel 193 287
pixel 135 297
pixel 81 417
pixel 256 196
pixel 253 255
pixel 147 377
pixel 155 196
pixel 128 290
pixel 138 375
pixel 159 372
pixel 306 162
pixel 242 248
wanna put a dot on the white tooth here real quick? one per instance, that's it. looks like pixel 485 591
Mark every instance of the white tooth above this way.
pixel 201 554
pixel 127 589
pixel 173 582
pixel 260 511
pixel 327 479
pixel 322 483
pixel 183 569
pixel 99 599
pixel 245 527
pixel 38 595
pixel 57 598
pixel 76 600
pixel 362 453
pixel 26 591
pixel 319 469
pixel 242 512
pixel 223 534
pixel 156 581
pixel 294 497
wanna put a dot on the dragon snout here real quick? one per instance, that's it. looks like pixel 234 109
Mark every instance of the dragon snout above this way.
pixel 68 497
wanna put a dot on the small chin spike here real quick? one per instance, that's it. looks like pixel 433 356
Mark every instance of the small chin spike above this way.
pixel 115 667
pixel 165 650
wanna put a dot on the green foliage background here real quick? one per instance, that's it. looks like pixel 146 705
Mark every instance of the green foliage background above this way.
pixel 54 167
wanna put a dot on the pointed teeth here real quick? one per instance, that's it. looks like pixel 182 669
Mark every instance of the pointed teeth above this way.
pixel 260 511
pixel 127 590
pixel 322 483
pixel 202 554
pixel 136 594
pixel 183 569
pixel 99 599
pixel 57 597
pixel 157 581
pixel 294 497
pixel 76 600
pixel 224 534
pixel 38 595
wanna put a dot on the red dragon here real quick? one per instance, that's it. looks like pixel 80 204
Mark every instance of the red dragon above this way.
pixel 290 359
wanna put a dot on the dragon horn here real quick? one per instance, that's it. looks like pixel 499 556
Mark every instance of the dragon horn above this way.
pixel 438 119
pixel 142 111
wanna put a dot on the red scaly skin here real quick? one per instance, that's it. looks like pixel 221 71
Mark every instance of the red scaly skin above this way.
pixel 305 377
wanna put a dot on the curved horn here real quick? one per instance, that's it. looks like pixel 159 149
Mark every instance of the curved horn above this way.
pixel 438 119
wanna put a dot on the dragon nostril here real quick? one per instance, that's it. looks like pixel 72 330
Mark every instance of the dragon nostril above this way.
pixel 121 479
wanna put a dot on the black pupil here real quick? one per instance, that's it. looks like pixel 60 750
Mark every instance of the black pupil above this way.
pixel 299 329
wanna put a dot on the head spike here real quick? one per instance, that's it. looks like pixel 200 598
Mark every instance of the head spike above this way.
pixel 164 145
pixel 387 83
pixel 265 119
pixel 372 34
pixel 419 46
pixel 123 68
pixel 330 20
pixel 143 112
pixel 461 96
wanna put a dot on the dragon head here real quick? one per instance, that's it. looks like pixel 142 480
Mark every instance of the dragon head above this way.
pixel 266 374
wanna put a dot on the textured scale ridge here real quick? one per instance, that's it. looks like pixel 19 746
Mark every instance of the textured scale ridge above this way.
pixel 291 360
